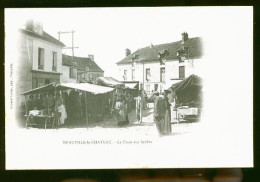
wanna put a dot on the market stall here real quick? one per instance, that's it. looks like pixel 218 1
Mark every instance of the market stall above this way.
pixel 188 98
pixel 53 102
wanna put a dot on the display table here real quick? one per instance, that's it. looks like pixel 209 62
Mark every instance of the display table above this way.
pixel 188 111
pixel 184 111
pixel 31 119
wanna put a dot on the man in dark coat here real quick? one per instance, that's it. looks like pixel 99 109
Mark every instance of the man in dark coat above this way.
pixel 159 111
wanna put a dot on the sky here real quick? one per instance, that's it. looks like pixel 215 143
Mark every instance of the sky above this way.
pixel 107 32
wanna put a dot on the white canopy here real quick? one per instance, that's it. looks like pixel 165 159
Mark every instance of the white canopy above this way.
pixel 95 89
pixel 130 85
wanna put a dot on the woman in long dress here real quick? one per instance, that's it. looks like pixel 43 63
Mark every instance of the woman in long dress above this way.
pixel 166 124
pixel 61 110
pixel 122 117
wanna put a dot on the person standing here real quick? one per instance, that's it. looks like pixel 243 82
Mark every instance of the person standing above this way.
pixel 166 125
pixel 122 118
pixel 159 112
pixel 128 101
pixel 138 106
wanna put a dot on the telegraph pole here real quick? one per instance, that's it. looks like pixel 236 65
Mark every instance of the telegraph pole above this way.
pixel 72 41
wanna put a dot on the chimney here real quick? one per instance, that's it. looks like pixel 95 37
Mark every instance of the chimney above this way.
pixel 127 52
pixel 91 56
pixel 184 37
pixel 34 26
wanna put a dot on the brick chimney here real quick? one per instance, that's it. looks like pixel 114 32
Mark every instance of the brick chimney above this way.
pixel 127 52
pixel 91 56
pixel 34 26
pixel 185 37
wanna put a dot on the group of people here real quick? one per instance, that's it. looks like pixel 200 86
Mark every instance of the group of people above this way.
pixel 123 102
pixel 44 104
pixel 121 106
pixel 71 104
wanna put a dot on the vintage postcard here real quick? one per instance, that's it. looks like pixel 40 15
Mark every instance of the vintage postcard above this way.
pixel 116 88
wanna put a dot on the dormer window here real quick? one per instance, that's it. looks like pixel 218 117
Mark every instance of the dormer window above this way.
pixel 183 53
pixel 162 56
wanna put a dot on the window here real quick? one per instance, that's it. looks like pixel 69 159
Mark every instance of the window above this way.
pixel 155 87
pixel 83 76
pixel 141 86
pixel 73 73
pixel 54 61
pixel 133 74
pixel 148 75
pixel 125 75
pixel 91 76
pixel 148 88
pixel 40 82
pixel 47 81
pixel 181 72
pixel 162 75
pixel 40 58
pixel 34 83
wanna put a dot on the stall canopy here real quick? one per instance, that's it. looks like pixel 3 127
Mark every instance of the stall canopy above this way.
pixel 45 88
pixel 94 89
pixel 192 81
pixel 188 90
pixel 109 82
pixel 131 85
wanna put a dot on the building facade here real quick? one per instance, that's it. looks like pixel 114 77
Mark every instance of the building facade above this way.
pixel 80 69
pixel 158 66
pixel 39 58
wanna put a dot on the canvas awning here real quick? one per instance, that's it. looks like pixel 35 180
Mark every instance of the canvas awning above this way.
pixel 168 84
pixel 94 89
pixel 131 85
pixel 109 82
pixel 190 82
pixel 45 88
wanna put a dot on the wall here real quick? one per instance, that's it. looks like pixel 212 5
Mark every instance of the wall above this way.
pixel 28 61
pixel 193 66
pixel 48 49
pixel 96 74
pixel 24 67
pixel 65 77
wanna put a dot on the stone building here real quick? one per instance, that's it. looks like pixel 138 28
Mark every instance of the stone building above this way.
pixel 80 69
pixel 39 58
pixel 157 66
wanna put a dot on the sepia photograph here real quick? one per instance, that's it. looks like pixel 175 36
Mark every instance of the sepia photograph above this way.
pixel 106 88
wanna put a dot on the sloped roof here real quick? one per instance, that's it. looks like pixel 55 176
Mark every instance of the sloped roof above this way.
pixel 81 63
pixel 151 53
pixel 45 36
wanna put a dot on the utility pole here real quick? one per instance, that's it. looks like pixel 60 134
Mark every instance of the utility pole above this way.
pixel 72 41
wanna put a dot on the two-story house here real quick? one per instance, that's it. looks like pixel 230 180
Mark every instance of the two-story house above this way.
pixel 80 69
pixel 39 58
pixel 156 66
